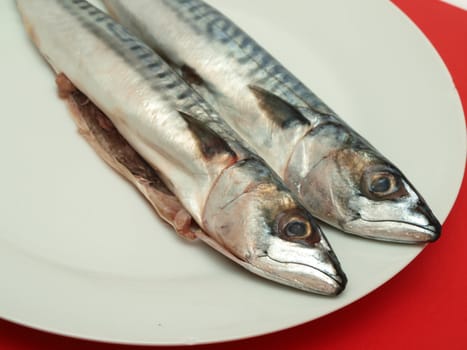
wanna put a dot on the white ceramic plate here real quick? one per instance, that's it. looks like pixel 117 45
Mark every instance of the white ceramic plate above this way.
pixel 82 254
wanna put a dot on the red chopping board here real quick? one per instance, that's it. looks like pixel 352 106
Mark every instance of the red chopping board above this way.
pixel 423 307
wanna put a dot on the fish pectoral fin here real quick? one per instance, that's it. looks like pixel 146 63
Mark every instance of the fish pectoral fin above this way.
pixel 277 110
pixel 209 142
pixel 184 225
pixel 171 211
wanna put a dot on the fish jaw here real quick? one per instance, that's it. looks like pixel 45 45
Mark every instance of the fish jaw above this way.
pixel 276 238
pixel 300 276
pixel 313 269
pixel 409 220
pixel 393 231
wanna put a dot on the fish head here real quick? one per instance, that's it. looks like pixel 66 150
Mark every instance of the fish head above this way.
pixel 387 205
pixel 257 222
pixel 348 183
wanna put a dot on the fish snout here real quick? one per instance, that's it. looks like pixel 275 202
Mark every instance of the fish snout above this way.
pixel 341 283
pixel 336 283
pixel 327 284
pixel 433 227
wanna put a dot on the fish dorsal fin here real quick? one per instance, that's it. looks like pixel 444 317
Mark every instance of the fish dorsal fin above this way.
pixel 277 110
pixel 210 143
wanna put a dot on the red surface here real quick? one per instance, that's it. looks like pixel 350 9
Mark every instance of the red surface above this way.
pixel 423 307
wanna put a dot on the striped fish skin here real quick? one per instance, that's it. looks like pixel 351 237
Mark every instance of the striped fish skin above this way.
pixel 241 206
pixel 338 175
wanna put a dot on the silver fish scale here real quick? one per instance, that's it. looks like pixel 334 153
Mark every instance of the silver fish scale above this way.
pixel 267 71
pixel 151 67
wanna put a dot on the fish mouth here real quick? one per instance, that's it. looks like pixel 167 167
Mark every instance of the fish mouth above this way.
pixel 294 274
pixel 396 230
pixel 301 276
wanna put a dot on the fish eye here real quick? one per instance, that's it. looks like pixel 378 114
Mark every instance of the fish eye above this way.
pixel 294 224
pixel 296 229
pixel 382 184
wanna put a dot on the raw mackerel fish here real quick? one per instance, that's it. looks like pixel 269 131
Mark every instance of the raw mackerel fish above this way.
pixel 338 175
pixel 240 205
